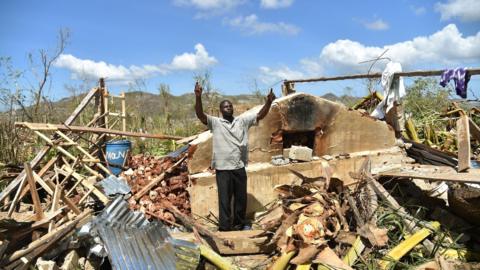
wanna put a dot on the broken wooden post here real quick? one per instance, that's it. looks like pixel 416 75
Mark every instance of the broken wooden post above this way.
pixel 33 191
pixel 474 129
pixel 124 113
pixel 100 102
pixel 463 141
pixel 16 198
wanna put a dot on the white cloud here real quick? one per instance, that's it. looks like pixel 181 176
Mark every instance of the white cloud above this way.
pixel 209 4
pixel 273 4
pixel 376 25
pixel 250 25
pixel 270 76
pixel 466 10
pixel 209 8
pixel 119 73
pixel 193 61
pixel 447 47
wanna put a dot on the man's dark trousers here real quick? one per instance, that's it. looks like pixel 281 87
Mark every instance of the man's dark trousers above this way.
pixel 232 183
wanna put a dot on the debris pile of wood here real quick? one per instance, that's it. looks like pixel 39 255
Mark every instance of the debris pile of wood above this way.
pixel 154 180
pixel 59 191
pixel 315 223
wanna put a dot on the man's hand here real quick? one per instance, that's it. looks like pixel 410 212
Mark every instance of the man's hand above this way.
pixel 266 107
pixel 198 90
pixel 198 104
pixel 271 96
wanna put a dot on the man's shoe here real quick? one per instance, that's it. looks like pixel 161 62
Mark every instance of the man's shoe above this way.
pixel 247 228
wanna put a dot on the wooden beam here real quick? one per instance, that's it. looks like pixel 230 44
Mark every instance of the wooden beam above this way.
pixel 56 127
pixel 40 155
pixel 419 73
pixel 463 141
pixel 17 195
pixel 33 191
pixel 474 129
pixel 55 203
pixel 124 112
pixel 234 242
pixel 434 173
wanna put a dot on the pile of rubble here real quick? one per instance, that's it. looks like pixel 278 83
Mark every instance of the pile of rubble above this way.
pixel 171 186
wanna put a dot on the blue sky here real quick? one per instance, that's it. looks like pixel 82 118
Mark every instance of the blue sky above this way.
pixel 241 42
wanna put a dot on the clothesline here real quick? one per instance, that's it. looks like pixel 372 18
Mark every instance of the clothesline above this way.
pixel 419 73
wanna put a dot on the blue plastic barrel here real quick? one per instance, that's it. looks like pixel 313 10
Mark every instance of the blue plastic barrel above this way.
pixel 116 154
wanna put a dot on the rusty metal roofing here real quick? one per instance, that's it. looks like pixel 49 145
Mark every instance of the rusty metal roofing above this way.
pixel 133 242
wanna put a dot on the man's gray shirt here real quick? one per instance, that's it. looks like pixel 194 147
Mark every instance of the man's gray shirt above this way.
pixel 230 141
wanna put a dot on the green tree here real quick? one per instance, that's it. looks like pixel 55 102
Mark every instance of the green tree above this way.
pixel 426 100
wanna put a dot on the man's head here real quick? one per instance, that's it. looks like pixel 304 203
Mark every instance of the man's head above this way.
pixel 226 108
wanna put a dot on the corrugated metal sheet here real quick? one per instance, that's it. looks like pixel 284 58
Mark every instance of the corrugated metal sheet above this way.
pixel 179 151
pixel 133 242
pixel 113 185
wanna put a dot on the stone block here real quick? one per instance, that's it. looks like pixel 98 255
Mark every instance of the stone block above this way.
pixel 301 153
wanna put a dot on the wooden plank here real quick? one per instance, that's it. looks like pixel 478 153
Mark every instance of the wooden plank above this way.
pixel 17 195
pixel 434 173
pixel 41 154
pixel 474 130
pixel 238 242
pixel 124 112
pixel 451 177
pixel 55 127
pixel 105 99
pixel 463 141
pixel 419 73
pixel 33 191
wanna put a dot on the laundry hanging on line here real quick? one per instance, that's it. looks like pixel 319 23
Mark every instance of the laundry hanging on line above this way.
pixel 460 76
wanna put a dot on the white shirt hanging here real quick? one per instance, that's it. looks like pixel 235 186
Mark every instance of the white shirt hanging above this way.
pixel 393 89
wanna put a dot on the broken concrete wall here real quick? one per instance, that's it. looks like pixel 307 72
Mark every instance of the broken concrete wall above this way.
pixel 263 177
pixel 334 129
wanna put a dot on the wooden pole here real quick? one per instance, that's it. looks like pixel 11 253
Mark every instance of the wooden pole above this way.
pixel 54 127
pixel 419 73
pixel 33 191
pixel 124 114
pixel 463 142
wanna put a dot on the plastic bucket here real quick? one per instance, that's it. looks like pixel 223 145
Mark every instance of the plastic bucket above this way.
pixel 116 154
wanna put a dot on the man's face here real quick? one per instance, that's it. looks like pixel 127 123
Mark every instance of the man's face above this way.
pixel 226 108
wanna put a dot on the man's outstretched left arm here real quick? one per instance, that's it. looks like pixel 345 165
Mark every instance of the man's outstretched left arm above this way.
pixel 266 107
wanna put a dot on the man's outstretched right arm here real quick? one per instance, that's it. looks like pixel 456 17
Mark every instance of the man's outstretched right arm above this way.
pixel 198 104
